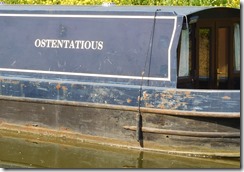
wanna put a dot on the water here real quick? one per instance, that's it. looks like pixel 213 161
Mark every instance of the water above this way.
pixel 22 153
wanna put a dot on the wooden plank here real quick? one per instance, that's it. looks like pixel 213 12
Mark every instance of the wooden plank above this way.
pixel 127 108
pixel 186 133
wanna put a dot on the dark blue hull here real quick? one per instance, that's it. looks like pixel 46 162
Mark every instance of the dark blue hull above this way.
pixel 176 121
pixel 114 76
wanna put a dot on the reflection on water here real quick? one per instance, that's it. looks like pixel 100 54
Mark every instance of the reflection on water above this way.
pixel 21 153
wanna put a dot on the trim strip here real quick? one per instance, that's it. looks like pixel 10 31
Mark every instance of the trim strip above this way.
pixel 213 134
pixel 86 16
pixel 125 108
pixel 169 50
pixel 82 74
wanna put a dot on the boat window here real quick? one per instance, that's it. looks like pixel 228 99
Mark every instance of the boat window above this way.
pixel 237 46
pixel 223 57
pixel 204 56
pixel 184 54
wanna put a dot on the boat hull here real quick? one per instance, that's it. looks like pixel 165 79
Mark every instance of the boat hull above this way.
pixel 84 80
pixel 118 126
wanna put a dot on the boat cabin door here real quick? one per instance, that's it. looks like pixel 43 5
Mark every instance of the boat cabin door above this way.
pixel 209 50
pixel 214 62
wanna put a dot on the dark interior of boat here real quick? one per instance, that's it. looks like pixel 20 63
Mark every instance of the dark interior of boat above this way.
pixel 209 51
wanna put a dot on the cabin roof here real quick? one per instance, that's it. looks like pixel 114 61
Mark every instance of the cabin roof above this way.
pixel 176 10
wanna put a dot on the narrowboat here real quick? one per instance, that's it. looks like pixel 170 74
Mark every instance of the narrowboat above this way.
pixel 154 78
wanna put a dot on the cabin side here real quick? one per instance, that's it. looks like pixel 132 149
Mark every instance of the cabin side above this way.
pixel 87 54
pixel 131 46
pixel 209 50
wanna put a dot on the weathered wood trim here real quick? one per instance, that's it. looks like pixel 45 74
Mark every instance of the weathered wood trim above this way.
pixel 125 108
pixel 192 113
pixel 187 133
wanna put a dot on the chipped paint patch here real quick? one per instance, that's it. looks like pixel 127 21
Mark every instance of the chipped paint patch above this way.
pixel 149 105
pixel 128 100
pixel 58 86
pixel 64 88
pixel 226 98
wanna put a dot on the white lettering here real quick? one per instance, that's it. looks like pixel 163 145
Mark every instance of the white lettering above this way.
pixel 77 44
pixel 54 44
pixel 37 43
pixel 87 45
pixel 69 44
pixel 48 42
pixel 43 43
pixel 100 45
pixel 66 43
pixel 60 44
pixel 72 45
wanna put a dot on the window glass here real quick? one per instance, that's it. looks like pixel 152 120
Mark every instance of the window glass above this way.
pixel 204 53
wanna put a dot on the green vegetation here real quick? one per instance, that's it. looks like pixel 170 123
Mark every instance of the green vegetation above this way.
pixel 226 3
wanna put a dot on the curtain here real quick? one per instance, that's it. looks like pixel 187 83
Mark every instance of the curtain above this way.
pixel 237 46
pixel 184 54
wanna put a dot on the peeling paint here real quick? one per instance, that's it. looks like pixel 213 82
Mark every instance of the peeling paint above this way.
pixel 160 98
pixel 226 98
pixel 58 86
pixel 128 100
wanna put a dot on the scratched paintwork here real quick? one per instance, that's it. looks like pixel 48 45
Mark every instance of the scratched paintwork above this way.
pixel 159 98
pixel 192 100
pixel 92 95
